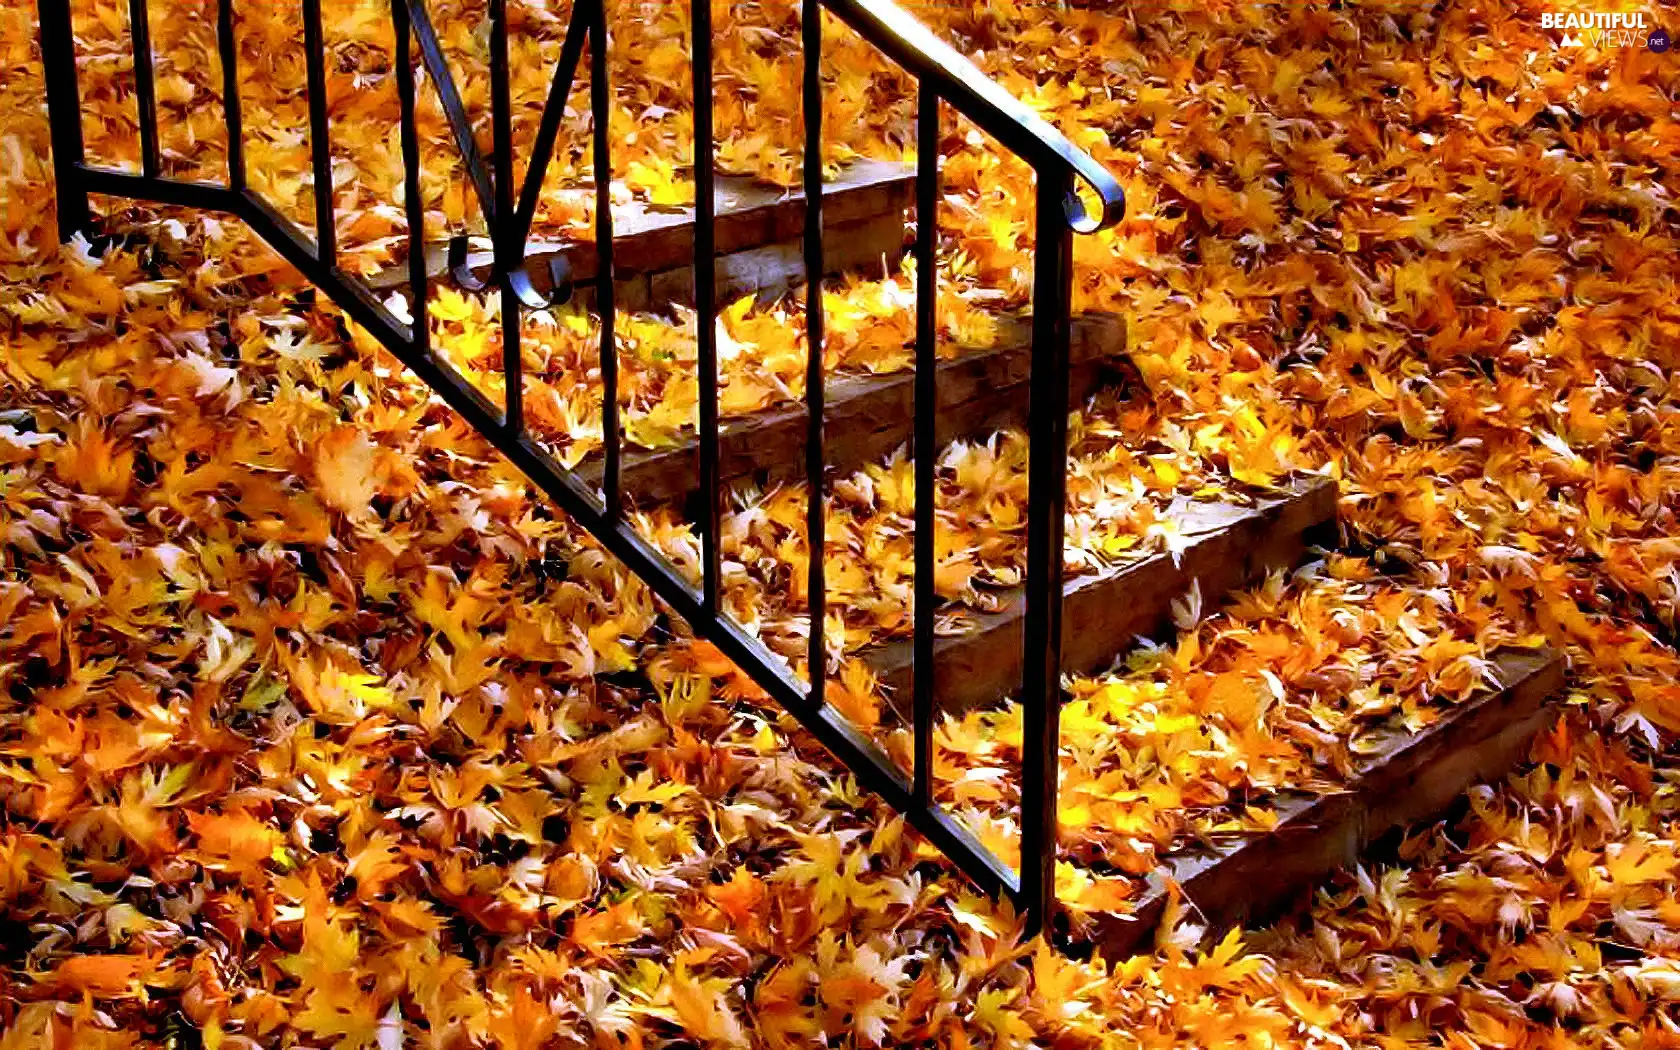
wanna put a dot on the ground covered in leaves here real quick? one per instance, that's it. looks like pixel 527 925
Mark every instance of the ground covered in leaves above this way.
pixel 318 730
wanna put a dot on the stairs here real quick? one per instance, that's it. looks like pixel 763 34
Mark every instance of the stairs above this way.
pixel 981 390
pixel 1222 548
pixel 758 237
pixel 1412 777
pixel 758 233
pixel 1228 547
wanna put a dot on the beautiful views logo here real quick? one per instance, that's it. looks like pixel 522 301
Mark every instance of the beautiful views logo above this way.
pixel 1606 29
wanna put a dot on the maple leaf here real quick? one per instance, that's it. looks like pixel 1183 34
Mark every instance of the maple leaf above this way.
pixel 237 841
pixel 1633 864
pixel 103 976
pixel 143 796
pixel 618 924
pixel 341 1012
pixel 329 947
pixel 701 1006
pixel 526 1022
pixel 345 471
pixel 374 865
pixel 863 988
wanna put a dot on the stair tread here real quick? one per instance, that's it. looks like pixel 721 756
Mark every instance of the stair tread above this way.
pixel 1103 613
pixel 750 214
pixel 1414 777
pixel 867 417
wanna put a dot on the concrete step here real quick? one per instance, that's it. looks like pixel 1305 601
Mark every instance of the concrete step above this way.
pixel 866 417
pixel 1412 778
pixel 1229 546
pixel 758 239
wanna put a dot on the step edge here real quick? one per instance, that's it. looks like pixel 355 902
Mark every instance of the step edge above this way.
pixel 1310 503
pixel 839 197
pixel 1523 704
pixel 1099 337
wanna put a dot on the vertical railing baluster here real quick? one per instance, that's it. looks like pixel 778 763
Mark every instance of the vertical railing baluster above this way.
pixel 705 305
pixel 946 83
pixel 815 529
pixel 320 142
pixel 414 205
pixel 926 435
pixel 1046 501
pixel 145 87
pixel 232 112
pixel 600 104
pixel 64 117
pixel 454 110
pixel 508 253
pixel 585 16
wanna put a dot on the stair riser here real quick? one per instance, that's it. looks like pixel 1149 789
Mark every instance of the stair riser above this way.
pixel 867 247
pixel 1103 616
pixel 868 417
pixel 1414 780
pixel 757 240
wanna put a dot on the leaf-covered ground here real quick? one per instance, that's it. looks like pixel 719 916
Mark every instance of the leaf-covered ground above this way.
pixel 318 730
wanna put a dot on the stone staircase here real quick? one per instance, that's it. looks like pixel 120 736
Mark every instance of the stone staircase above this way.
pixel 1223 547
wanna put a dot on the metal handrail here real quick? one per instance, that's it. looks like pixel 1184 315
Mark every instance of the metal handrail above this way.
pixel 944 78
pixel 969 91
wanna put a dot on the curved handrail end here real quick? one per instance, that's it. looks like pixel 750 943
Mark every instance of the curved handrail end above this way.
pixel 1109 192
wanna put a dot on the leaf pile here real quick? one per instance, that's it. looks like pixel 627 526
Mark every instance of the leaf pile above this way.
pixel 318 730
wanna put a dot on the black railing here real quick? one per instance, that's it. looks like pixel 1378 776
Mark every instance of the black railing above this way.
pixel 944 77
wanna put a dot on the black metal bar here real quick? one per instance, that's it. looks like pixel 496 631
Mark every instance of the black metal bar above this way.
pixel 979 98
pixel 228 50
pixel 509 253
pixel 944 78
pixel 501 131
pixel 548 130
pixel 810 18
pixel 181 192
pixel 64 117
pixel 600 107
pixel 413 203
pixel 145 86
pixel 874 768
pixel 926 436
pixel 353 296
pixel 320 141
pixel 705 306
pixel 443 81
pixel 1041 694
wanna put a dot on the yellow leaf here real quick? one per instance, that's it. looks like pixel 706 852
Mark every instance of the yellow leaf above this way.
pixel 703 1010
pixel 344 466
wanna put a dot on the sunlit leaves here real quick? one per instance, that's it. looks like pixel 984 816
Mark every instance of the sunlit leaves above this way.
pixel 300 746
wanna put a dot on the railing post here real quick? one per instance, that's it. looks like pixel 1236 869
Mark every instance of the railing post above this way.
pixel 600 108
pixel 414 205
pixel 320 140
pixel 228 49
pixel 509 250
pixel 64 115
pixel 926 439
pixel 145 86
pixel 1041 693
pixel 816 585
pixel 705 306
